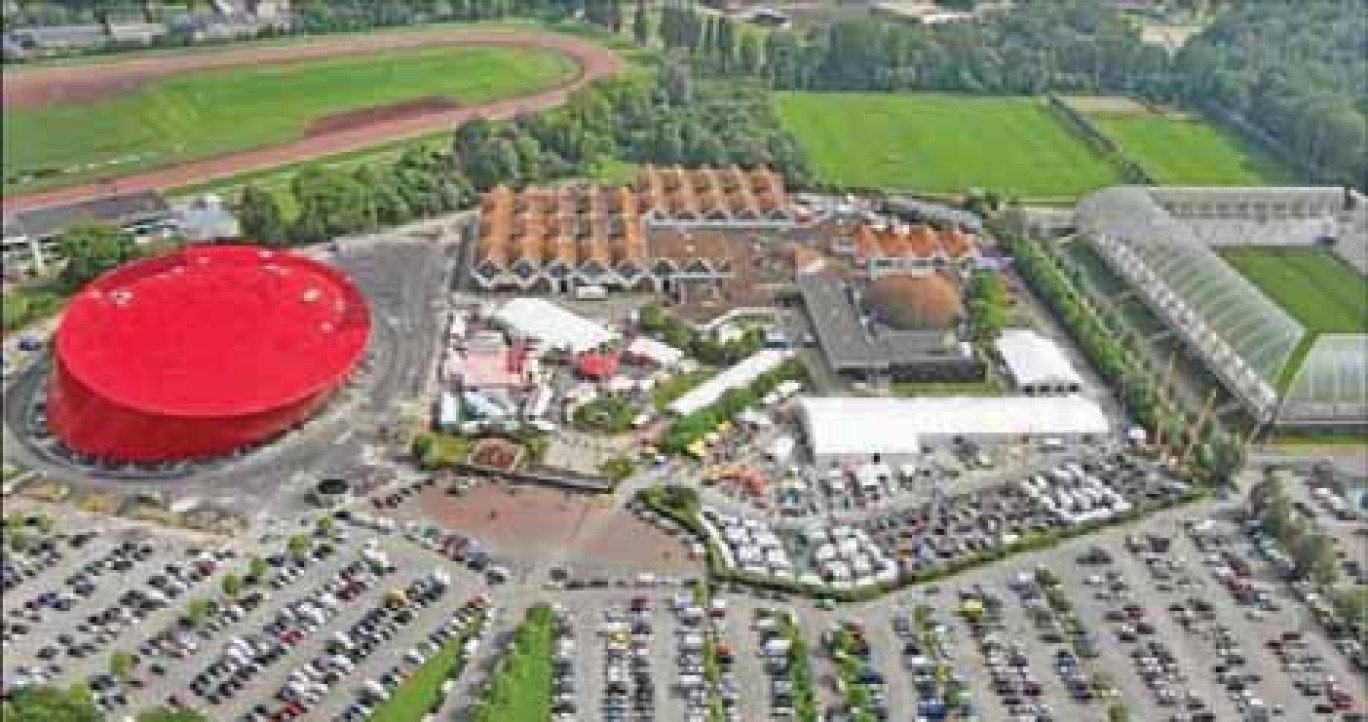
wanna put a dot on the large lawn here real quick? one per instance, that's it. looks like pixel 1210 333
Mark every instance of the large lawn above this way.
pixel 1321 291
pixel 1179 149
pixel 209 112
pixel 943 143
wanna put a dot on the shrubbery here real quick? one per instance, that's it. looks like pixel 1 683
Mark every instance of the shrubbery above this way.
pixel 685 430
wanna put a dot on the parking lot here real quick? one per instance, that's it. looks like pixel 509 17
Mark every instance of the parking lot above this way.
pixel 1176 616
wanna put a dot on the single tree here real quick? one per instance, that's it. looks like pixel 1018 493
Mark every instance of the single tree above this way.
pixel 196 611
pixel 232 584
pixel 299 546
pixel 120 664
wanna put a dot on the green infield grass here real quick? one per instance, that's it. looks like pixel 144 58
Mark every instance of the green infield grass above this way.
pixel 1180 149
pixel 205 113
pixel 943 143
pixel 1321 291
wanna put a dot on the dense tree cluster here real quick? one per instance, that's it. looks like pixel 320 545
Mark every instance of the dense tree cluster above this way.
pixel 332 202
pixel 91 249
pixel 1311 552
pixel 1295 70
pixel 705 347
pixel 670 120
pixel 989 305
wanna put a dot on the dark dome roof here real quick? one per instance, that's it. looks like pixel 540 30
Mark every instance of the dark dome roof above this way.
pixel 915 302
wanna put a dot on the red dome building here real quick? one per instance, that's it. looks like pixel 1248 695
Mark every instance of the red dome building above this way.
pixel 201 352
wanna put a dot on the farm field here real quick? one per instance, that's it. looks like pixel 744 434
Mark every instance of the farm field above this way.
pixel 1325 294
pixel 943 143
pixel 1179 149
pixel 205 113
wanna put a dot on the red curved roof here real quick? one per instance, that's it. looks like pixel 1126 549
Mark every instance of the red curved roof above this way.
pixel 214 331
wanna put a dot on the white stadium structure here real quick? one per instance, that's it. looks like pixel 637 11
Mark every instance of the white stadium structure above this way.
pixel 1160 240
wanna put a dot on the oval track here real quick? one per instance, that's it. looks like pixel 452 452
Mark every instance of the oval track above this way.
pixel 80 83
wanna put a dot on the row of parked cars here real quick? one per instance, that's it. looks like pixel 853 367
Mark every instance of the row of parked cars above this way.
pixel 941 688
pixel 39 553
pixel 1050 612
pixel 1152 657
pixel 775 630
pixel 953 527
pixel 564 703
pixel 458 548
pixel 1011 677
pixel 862 685
pixel 1309 670
pixel 244 657
pixel 698 635
pixel 629 688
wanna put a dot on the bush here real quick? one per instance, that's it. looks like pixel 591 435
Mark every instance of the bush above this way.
pixel 618 468
pixel 605 414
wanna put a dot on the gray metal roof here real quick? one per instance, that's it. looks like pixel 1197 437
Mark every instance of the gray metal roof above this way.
pixel 836 322
pixel 845 341
pixel 115 210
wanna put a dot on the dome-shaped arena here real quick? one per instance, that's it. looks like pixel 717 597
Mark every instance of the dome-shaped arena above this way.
pixel 909 302
pixel 201 352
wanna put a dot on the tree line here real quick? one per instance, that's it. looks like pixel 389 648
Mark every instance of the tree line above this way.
pixel 1217 455
pixel 668 119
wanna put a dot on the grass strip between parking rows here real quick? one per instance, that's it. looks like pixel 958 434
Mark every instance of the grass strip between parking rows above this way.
pixel 423 691
pixel 520 690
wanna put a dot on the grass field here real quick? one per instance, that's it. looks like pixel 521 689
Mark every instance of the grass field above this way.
pixel 943 143
pixel 1179 149
pixel 1325 294
pixel 205 113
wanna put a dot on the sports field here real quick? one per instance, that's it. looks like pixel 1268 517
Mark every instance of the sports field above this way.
pixel 1325 294
pixel 943 143
pixel 1179 149
pixel 209 112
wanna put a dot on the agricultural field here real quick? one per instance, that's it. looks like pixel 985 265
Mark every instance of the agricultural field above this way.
pixel 1182 149
pixel 209 112
pixel 943 143
pixel 1321 291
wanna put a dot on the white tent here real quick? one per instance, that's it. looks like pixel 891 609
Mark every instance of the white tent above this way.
pixel 742 374
pixel 658 353
pixel 536 318
pixel 853 430
pixel 1036 364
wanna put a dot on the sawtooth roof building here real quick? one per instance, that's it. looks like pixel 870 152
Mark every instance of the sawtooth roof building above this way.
pixel 1161 241
pixel 554 239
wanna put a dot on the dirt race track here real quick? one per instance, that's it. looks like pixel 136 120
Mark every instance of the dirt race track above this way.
pixel 82 83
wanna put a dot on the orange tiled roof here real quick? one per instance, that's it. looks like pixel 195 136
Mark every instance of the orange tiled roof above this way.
pixel 956 243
